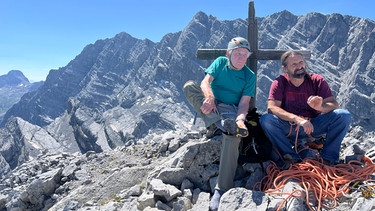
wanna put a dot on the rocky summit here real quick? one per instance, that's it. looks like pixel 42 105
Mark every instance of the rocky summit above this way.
pixel 112 129
pixel 171 172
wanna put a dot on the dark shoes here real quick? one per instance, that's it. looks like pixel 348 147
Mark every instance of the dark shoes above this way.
pixel 213 131
pixel 355 157
pixel 330 162
pixel 231 128
pixel 215 200
pixel 361 156
pixel 288 161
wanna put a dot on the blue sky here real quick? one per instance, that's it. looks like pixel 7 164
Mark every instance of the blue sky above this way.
pixel 39 35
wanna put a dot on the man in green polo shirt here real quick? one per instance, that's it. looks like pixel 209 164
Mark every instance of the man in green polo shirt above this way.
pixel 222 100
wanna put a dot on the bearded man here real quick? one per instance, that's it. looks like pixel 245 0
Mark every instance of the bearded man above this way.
pixel 302 106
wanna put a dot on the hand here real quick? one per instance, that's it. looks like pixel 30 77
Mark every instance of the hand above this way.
pixel 307 126
pixel 208 105
pixel 315 102
pixel 241 124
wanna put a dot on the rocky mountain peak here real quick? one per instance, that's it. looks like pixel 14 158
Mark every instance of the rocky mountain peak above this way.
pixel 13 86
pixel 123 96
pixel 13 78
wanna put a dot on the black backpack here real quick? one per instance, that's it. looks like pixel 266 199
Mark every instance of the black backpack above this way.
pixel 256 147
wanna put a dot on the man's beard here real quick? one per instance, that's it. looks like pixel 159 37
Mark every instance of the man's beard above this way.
pixel 298 75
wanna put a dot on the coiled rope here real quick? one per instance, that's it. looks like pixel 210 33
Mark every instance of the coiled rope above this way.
pixel 326 183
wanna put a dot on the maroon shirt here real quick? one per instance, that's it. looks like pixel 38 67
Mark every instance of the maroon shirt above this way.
pixel 294 99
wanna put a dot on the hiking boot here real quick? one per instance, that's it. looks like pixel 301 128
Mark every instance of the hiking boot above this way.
pixel 305 151
pixel 213 131
pixel 215 200
pixel 330 162
pixel 309 154
pixel 356 157
pixel 361 156
pixel 288 161
pixel 232 128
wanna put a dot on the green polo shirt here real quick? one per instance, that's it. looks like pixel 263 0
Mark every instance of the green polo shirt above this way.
pixel 230 85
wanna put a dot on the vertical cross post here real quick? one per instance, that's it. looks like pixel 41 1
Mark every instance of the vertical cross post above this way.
pixel 252 37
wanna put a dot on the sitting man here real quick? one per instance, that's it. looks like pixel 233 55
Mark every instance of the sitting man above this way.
pixel 222 100
pixel 301 104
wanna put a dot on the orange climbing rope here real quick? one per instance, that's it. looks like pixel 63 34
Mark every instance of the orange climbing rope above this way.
pixel 325 183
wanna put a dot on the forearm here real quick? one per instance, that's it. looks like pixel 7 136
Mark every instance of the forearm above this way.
pixel 206 89
pixel 329 106
pixel 243 108
pixel 208 104
pixel 284 115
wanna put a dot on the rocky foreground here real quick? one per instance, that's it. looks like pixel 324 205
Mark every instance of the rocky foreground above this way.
pixel 164 172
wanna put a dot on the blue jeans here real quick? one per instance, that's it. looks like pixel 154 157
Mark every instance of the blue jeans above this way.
pixel 333 125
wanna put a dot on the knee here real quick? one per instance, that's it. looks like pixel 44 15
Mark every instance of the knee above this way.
pixel 266 120
pixel 189 86
pixel 343 115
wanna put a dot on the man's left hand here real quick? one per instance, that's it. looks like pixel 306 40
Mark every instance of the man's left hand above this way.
pixel 315 102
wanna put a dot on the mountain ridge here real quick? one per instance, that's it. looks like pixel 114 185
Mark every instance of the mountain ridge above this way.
pixel 124 95
pixel 115 72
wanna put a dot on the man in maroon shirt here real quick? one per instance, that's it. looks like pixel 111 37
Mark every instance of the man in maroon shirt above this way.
pixel 301 104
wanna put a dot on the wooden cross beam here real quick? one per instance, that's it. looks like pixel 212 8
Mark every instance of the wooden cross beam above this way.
pixel 257 54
